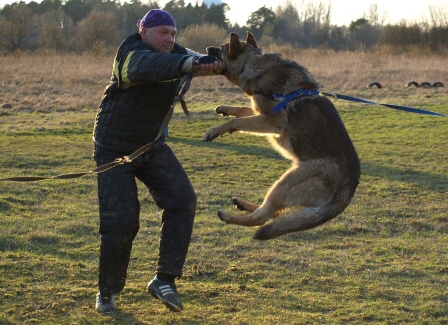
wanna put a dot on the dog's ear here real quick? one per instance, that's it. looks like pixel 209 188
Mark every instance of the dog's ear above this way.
pixel 250 39
pixel 234 46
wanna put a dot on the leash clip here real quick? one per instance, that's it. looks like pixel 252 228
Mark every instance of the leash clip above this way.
pixel 332 94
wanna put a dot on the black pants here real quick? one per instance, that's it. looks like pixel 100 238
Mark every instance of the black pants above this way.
pixel 164 176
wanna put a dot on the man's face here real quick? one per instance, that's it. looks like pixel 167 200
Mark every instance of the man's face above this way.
pixel 160 39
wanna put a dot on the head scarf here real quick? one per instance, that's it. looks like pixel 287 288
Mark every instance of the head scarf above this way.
pixel 156 17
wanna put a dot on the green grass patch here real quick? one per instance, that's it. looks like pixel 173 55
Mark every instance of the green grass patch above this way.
pixel 383 261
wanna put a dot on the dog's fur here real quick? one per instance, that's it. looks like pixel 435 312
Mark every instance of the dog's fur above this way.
pixel 325 168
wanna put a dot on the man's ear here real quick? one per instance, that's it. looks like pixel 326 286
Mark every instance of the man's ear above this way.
pixel 142 32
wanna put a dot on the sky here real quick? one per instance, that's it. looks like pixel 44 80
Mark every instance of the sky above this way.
pixel 343 11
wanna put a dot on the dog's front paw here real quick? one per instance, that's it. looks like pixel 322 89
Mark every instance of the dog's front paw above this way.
pixel 210 135
pixel 224 216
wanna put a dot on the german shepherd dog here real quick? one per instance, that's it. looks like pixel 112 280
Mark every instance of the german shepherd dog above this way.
pixel 308 130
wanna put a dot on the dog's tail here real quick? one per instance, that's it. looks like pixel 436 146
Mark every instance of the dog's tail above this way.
pixel 308 217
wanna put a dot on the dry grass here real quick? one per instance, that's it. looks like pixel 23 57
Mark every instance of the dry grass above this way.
pixel 355 70
pixel 45 82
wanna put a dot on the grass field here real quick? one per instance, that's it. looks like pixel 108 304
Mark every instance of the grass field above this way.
pixel 383 261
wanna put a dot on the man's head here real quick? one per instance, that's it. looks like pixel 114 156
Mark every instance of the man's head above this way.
pixel 158 30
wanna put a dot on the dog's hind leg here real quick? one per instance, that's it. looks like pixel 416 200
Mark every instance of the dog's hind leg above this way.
pixel 303 186
pixel 240 111
pixel 275 201
pixel 249 207
pixel 308 217
pixel 256 218
pixel 302 220
pixel 244 205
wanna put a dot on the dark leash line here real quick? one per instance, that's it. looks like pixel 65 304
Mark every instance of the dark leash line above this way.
pixel 365 101
pixel 315 92
pixel 181 90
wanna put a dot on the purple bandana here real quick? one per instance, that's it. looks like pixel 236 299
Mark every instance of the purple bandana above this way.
pixel 156 17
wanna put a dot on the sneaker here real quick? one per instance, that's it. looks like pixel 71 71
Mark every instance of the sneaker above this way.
pixel 105 303
pixel 166 292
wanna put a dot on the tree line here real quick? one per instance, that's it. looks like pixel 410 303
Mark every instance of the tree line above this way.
pixel 94 25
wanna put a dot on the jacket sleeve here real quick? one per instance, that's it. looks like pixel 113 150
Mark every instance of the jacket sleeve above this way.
pixel 145 66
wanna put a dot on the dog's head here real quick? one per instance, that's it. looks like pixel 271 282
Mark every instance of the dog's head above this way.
pixel 234 54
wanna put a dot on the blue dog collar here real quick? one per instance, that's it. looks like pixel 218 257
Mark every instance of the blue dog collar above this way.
pixel 294 94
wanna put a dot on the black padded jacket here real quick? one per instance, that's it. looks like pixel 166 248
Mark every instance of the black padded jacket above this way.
pixel 142 89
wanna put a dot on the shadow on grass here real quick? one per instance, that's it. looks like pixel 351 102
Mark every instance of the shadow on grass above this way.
pixel 248 149
pixel 120 317
pixel 434 182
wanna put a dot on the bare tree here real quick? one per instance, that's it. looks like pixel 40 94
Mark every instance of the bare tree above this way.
pixel 97 31
pixel 373 14
pixel 439 15
pixel 17 28
pixel 52 38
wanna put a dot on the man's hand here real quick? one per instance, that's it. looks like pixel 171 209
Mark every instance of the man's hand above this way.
pixel 208 63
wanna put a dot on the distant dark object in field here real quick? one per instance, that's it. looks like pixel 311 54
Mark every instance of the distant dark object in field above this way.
pixel 375 83
pixel 425 84
pixel 437 84
pixel 412 83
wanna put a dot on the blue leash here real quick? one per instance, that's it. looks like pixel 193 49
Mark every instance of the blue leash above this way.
pixel 315 92
pixel 401 108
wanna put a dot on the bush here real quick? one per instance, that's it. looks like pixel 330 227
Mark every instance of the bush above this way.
pixel 52 38
pixel 97 28
pixel 198 37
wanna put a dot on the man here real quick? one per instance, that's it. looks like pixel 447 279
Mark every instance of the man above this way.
pixel 146 74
